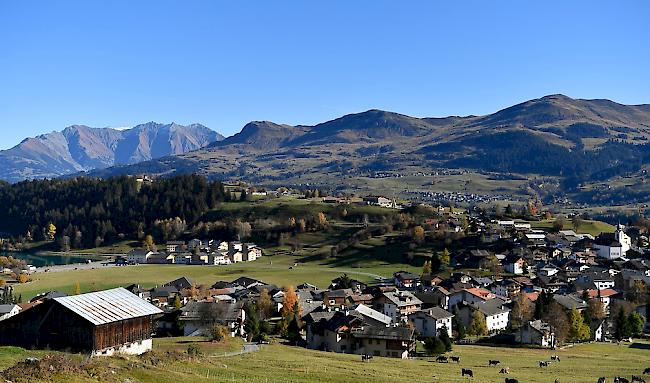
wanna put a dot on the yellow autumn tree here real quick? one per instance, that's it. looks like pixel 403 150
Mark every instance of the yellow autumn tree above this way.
pixel 290 302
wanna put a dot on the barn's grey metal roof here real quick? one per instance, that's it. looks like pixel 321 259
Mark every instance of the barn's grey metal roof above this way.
pixel 108 306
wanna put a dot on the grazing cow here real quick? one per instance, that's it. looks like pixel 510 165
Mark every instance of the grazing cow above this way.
pixel 639 379
pixel 505 370
pixel 555 358
pixel 646 371
pixel 509 380
pixel 442 359
pixel 455 359
pixel 601 379
pixel 466 371
pixel 493 362
pixel 366 357
pixel 544 363
pixel 620 379
pixel 557 380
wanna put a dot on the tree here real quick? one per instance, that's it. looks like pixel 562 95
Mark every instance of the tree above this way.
pixel 434 346
pixel 77 289
pixel 177 302
pixel 293 329
pixel 426 268
pixel 577 222
pixel 252 322
pixel 445 257
pixel 302 225
pixel 478 325
pixel 637 293
pixel 635 323
pixel 292 223
pixel 621 325
pixel 578 329
pixel 289 302
pixel 418 235
pixel 522 310
pixel 322 220
pixel 64 243
pixel 148 242
pixel 264 304
pixel 596 309
pixel 556 317
pixel 23 278
pixel 50 232
pixel 444 337
pixel 558 225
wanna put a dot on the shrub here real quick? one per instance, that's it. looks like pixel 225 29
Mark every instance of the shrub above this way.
pixel 218 333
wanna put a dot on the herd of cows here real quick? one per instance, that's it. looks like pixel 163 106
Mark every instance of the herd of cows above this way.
pixel 542 363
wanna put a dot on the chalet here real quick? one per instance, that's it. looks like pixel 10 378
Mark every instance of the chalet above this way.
pixel 497 315
pixel 378 201
pixel 514 264
pixel 570 302
pixel 101 323
pixel 536 333
pixel 605 296
pixel 138 256
pixel 397 304
pixel 431 321
pixel 506 288
pixel 181 283
pixel 436 297
pixel 406 280
pixel 160 259
pixel 337 297
pixel 175 246
pixel 346 333
pixel 198 318
pixel 471 295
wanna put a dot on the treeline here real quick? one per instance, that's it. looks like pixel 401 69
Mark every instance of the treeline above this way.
pixel 87 212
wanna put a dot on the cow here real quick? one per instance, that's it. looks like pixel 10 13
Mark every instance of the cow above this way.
pixel 455 359
pixel 544 363
pixel 493 362
pixel 505 370
pixel 620 379
pixel 366 358
pixel 557 380
pixel 555 357
pixel 509 380
pixel 646 371
pixel 442 359
pixel 639 379
pixel 601 379
pixel 466 371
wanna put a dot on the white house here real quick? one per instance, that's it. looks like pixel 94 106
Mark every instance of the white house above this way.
pixel 9 310
pixel 497 315
pixel 431 321
pixel 138 256
pixel 613 245
pixel 536 333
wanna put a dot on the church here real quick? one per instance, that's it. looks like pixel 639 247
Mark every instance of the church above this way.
pixel 613 245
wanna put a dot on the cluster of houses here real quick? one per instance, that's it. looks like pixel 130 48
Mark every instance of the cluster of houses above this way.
pixel 197 252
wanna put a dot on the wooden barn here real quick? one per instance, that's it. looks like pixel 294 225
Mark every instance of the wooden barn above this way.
pixel 101 323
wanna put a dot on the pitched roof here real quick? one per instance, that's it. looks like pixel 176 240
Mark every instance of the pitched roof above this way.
pixel 438 313
pixel 376 332
pixel 108 306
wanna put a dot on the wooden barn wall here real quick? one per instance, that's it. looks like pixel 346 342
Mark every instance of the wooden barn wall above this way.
pixel 126 331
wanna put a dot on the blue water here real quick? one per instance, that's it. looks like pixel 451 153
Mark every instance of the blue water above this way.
pixel 46 260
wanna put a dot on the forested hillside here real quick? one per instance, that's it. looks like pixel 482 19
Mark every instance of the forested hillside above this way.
pixel 88 212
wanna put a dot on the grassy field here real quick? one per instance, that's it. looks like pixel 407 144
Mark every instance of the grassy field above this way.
pixel 279 270
pixel 587 227
pixel 278 363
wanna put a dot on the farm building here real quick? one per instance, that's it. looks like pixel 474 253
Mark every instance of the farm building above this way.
pixel 100 323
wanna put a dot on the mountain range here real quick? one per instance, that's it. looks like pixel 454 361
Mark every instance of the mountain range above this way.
pixel 81 148
pixel 572 141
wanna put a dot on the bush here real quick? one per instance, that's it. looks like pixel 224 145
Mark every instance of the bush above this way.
pixel 193 350
pixel 218 333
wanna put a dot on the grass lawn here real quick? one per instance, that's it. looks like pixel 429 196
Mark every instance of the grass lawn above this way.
pixel 278 270
pixel 277 363
pixel 205 346
pixel 587 227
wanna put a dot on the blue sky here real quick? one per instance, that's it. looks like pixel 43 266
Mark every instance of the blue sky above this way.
pixel 222 64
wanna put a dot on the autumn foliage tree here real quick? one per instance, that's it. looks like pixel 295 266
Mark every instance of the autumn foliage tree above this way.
pixel 418 235
pixel 290 302
pixel 478 325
